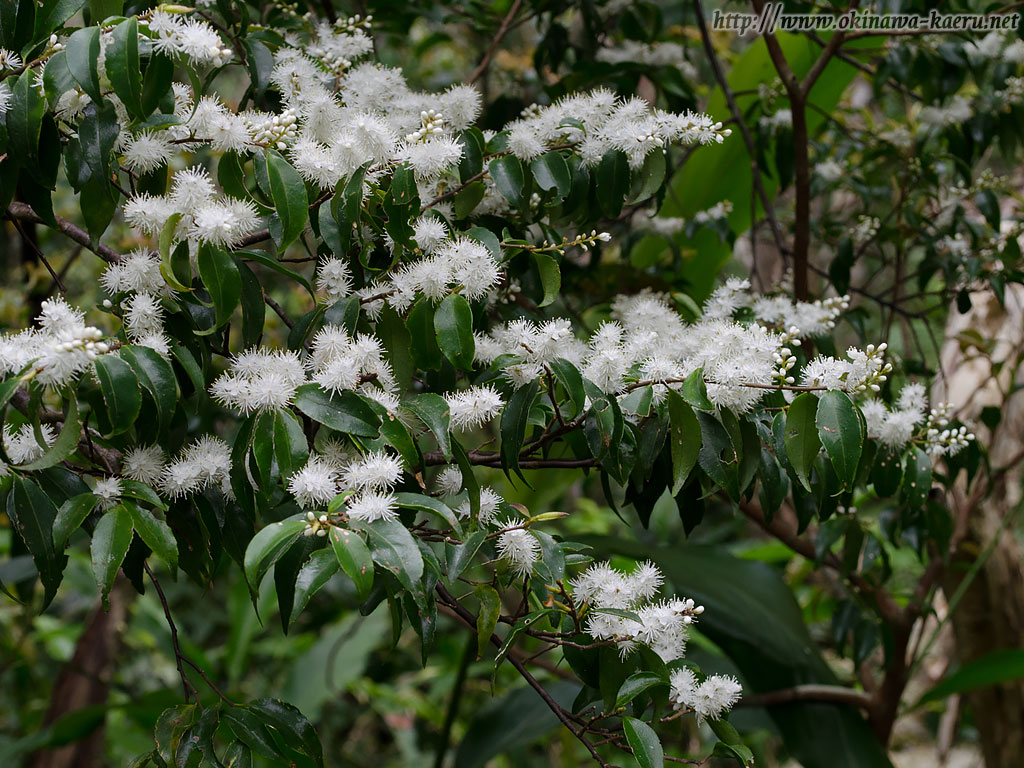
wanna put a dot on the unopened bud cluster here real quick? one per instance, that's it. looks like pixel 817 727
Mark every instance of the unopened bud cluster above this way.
pixel 582 240
pixel 877 368
pixel 278 131
pixel 316 526
pixel 431 122
pixel 352 23
pixel 940 439
pixel 785 360
pixel 87 340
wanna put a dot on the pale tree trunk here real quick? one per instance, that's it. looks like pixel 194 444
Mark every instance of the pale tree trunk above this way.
pixel 990 616
pixel 83 682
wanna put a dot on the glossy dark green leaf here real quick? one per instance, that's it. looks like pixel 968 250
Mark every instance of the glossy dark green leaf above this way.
pixel 352 555
pixel 120 389
pixel 487 616
pixel 612 182
pixel 695 391
pixel 461 556
pixel 514 420
pixel 270 262
pixel 110 541
pixel 635 685
pixel 156 376
pixel 802 441
pixel 24 119
pixel 917 477
pixel 645 181
pixel 423 503
pixel 992 669
pixel 841 433
pixel 685 439
pixel 551 172
pixel 426 353
pixel 393 548
pixel 345 412
pixel 507 173
pixel 288 191
pixel 97 133
pixel 887 472
pixel 453 324
pixel 70 516
pixel 313 575
pixel 33 515
pixel 254 308
pixel 219 274
pixel 434 412
pixel 83 53
pixel 550 277
pixel 156 533
pixel 123 67
pixel 644 742
pixel 291 725
pixel 267 546
pixel 569 376
pixel 52 14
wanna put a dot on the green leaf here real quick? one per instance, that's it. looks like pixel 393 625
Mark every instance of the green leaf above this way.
pixel 841 432
pixel 514 420
pixel 635 685
pixel 24 120
pixel 648 179
pixel 166 240
pixel 123 67
pixel 995 668
pixel 354 558
pixel 267 546
pixel 290 724
pixel 33 515
pixel 644 742
pixel 70 516
pixel 100 10
pixel 462 555
pixel 219 274
pixel 487 618
pixel 393 548
pixel 887 473
pixel 420 323
pixel 917 477
pixel 730 744
pixel 83 53
pixel 313 575
pixel 453 323
pixel 423 503
pixel 507 173
pixel 801 440
pixel 551 172
pixel 110 541
pixel 156 533
pixel 97 132
pixel 612 182
pixel 288 191
pixel 156 376
pixel 345 412
pixel 120 389
pixel 695 391
pixel 65 443
pixel 403 185
pixel 434 412
pixel 550 277
pixel 51 16
pixel 685 439
pixel 271 263
pixel 569 376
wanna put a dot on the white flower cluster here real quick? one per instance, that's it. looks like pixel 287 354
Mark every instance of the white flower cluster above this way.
pixel 829 171
pixel 518 547
pixel 473 407
pixel 370 479
pixel 61 347
pixel 599 122
pixel 461 264
pixel 338 362
pixel 957 111
pixel 863 370
pixel 800 319
pixel 777 120
pixel 22 446
pixel 203 464
pixel 998 46
pixel 709 699
pixel 658 54
pixel 176 36
pixel 865 229
pixel 138 274
pixel 107 492
pixel 259 380
pixel 661 625
pixel 206 216
pixel 907 421
pixel 673 225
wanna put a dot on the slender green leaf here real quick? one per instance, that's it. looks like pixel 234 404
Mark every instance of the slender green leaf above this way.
pixel 120 389
pixel 110 542
pixel 354 558
pixel 841 433
pixel 453 323
pixel 801 440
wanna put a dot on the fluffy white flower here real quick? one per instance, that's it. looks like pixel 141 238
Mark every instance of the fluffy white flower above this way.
pixel 260 380
pixel 519 548
pixel 107 492
pixel 372 505
pixel 315 484
pixel 147 152
pixel 374 471
pixel 474 406
pixel 144 464
pixel 334 279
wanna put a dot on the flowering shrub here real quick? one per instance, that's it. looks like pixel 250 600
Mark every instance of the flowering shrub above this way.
pixel 438 273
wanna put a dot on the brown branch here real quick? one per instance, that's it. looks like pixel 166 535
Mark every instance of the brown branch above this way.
pixel 23 212
pixel 485 62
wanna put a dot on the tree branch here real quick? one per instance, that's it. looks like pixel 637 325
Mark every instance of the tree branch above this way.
pixel 22 212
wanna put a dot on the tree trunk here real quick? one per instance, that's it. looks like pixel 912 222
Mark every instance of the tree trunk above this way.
pixel 83 683
pixel 990 615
